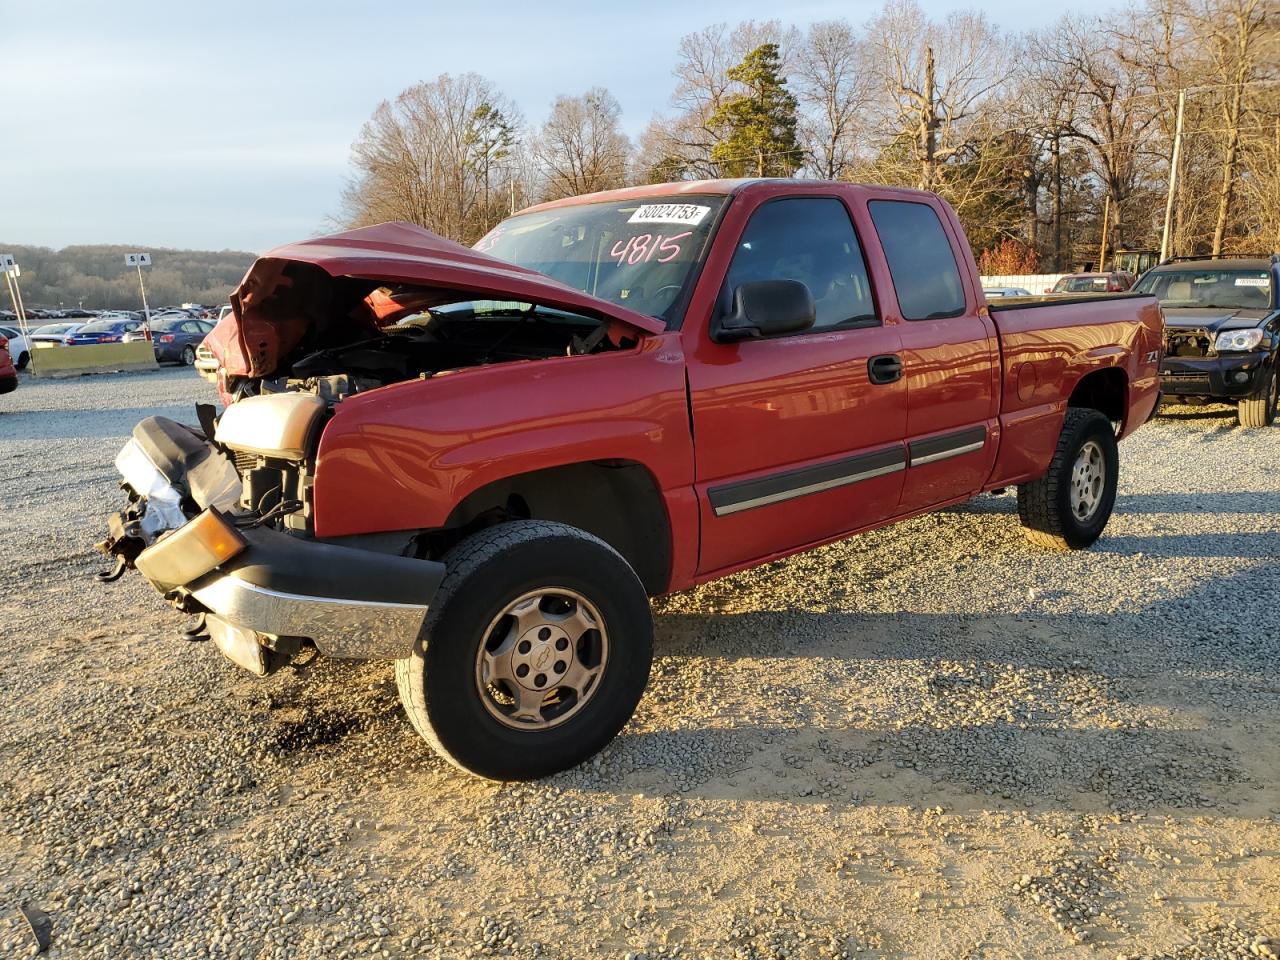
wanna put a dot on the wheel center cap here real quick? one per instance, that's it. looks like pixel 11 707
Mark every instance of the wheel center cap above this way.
pixel 541 657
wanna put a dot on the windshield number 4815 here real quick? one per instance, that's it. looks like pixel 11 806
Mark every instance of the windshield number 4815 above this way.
pixel 648 246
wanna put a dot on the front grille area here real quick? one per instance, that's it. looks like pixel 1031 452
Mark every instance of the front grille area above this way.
pixel 1188 343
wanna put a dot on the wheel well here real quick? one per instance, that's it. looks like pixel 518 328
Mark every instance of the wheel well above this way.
pixel 617 501
pixel 1102 390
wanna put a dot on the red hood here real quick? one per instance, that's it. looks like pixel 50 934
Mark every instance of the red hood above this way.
pixel 269 309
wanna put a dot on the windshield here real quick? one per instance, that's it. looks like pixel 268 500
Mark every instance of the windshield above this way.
pixel 636 254
pixel 1201 287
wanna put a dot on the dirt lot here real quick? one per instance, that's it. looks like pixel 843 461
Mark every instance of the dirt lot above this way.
pixel 933 741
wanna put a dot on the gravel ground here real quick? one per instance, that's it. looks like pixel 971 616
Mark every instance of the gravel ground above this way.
pixel 931 741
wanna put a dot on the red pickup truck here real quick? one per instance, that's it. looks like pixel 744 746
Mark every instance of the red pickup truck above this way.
pixel 481 462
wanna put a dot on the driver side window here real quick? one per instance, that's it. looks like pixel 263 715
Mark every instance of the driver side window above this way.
pixel 810 239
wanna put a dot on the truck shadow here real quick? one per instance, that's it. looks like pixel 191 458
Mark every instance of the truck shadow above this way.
pixel 1213 411
pixel 1147 709
pixel 1208 502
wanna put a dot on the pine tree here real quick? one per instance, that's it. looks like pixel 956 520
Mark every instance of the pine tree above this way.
pixel 759 124
pixel 488 140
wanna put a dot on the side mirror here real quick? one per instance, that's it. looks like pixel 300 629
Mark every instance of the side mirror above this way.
pixel 765 308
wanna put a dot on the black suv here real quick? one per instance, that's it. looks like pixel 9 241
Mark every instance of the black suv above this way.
pixel 1222 331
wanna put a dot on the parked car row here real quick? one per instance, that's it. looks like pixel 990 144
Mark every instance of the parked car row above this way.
pixel 175 334
pixel 197 311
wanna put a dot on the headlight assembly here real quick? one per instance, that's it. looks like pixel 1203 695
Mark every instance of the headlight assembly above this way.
pixel 1238 340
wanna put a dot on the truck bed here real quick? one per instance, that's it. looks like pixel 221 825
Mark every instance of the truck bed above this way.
pixel 1047 343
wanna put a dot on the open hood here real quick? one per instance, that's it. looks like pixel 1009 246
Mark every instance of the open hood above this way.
pixel 332 282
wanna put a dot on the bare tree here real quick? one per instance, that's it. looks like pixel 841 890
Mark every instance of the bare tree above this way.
pixel 835 87
pixel 581 148
pixel 1114 112
pixel 1260 187
pixel 935 77
pixel 1234 33
pixel 437 155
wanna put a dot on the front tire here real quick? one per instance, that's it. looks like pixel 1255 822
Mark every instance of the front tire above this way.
pixel 534 654
pixel 23 359
pixel 1260 410
pixel 188 356
pixel 1069 506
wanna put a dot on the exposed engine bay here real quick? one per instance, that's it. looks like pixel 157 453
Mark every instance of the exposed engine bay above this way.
pixel 302 329
pixel 446 339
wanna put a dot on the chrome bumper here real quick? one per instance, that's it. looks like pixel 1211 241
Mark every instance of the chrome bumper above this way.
pixel 280 589
pixel 339 628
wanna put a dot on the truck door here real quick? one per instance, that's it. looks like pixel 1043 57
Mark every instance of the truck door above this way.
pixel 950 356
pixel 798 438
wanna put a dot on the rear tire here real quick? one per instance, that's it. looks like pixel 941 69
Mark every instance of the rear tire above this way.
pixel 1260 410
pixel 23 359
pixel 1069 506
pixel 487 727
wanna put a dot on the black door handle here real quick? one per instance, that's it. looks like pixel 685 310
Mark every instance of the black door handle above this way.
pixel 886 368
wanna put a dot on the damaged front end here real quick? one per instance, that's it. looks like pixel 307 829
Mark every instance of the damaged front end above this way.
pixel 219 517
pixel 217 520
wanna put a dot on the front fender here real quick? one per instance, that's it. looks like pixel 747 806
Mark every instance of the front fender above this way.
pixel 404 456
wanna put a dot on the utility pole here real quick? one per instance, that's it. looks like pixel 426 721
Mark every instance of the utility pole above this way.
pixel 1057 199
pixel 1106 225
pixel 928 127
pixel 1173 178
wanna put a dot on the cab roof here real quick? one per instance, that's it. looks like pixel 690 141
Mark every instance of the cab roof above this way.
pixel 1217 263
pixel 725 187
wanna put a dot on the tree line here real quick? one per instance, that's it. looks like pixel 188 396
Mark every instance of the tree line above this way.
pixel 1031 137
pixel 95 277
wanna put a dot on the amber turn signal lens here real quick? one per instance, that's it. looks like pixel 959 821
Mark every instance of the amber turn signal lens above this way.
pixel 191 551
pixel 218 538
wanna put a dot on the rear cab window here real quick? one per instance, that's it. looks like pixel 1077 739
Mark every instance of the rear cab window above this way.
pixel 921 261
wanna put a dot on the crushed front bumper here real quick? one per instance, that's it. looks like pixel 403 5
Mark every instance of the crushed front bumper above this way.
pixel 348 602
pixel 265 592
pixel 1228 375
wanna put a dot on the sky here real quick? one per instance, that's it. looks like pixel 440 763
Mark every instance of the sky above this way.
pixel 228 124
